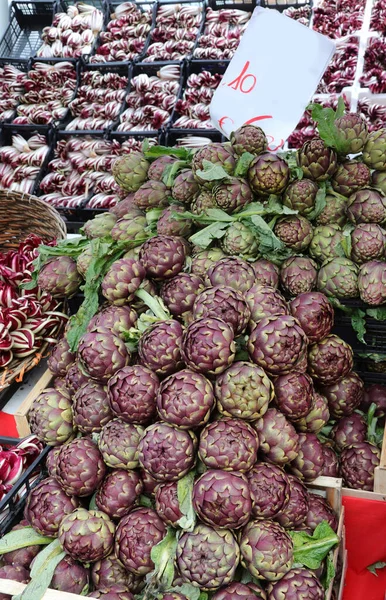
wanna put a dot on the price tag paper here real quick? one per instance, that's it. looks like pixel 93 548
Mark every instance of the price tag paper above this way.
pixel 272 76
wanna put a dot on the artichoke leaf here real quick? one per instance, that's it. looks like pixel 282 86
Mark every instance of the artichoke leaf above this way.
pixel 311 550
pixel 22 538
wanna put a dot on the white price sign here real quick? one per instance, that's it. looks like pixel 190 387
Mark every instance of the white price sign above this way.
pixel 272 76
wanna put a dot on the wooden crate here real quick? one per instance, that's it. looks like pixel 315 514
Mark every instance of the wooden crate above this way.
pixel 380 472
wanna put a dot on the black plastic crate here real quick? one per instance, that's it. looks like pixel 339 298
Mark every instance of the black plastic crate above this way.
pixel 12 505
pixel 27 20
pixel 375 336
pixel 281 5
pixel 173 136
pixel 248 5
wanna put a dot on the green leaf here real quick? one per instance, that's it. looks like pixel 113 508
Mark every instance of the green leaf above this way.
pixel 42 572
pixel 311 550
pixel 212 172
pixel 243 164
pixel 358 323
pixel 329 133
pixel 153 215
pixel 22 538
pixel 330 571
pixel 190 591
pixel 375 567
pixel 145 501
pixel 270 244
pixel 205 237
pixel 163 556
pixel 171 171
pixel 184 495
pixel 145 145
pixel 378 313
pixel 92 505
pixel 374 433
pixel 320 203
pixel 340 109
pixel 157 151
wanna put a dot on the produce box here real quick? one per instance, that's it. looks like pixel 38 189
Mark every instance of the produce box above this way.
pixel 380 471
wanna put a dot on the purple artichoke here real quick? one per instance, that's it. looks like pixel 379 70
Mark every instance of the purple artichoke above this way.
pixel 300 195
pixel 136 534
pixel 265 301
pixel 206 557
pixel 228 444
pixel 202 261
pixel 185 187
pixel 158 166
pixel 334 211
pixel 91 407
pixel 294 231
pixel 160 348
pixel 61 358
pixel 166 452
pixel 151 194
pixel 277 344
pixel 316 160
pixel 185 399
pixel 167 504
pixel 298 275
pixel 122 281
pixel 345 395
pixel 319 510
pixel 240 591
pixel 109 572
pixel 331 462
pixel 217 154
pixel 167 224
pixel 314 313
pixel 294 513
pixel 266 550
pixel 180 292
pixel 317 417
pixel 118 493
pixel 118 319
pixel 266 273
pixel 270 490
pixel 24 556
pixel 233 272
pixel 268 174
pixel 308 464
pixel 59 277
pixel 208 346
pixel 131 394
pixel 368 242
pixel 163 256
pixel 46 506
pixel 372 282
pixel 277 437
pixel 248 138
pixel 87 535
pixel 350 177
pixel 366 206
pixel 70 576
pixel 293 394
pixel 75 378
pixel 102 354
pixel 375 393
pixel 232 194
pixel 224 303
pixel 118 444
pixel 111 594
pixel 14 572
pixel 357 463
pixel 329 360
pixel 80 467
pixel 296 585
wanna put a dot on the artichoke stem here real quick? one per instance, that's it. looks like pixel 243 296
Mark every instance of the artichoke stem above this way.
pixel 154 304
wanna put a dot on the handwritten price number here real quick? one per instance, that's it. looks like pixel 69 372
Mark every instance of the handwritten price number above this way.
pixel 245 82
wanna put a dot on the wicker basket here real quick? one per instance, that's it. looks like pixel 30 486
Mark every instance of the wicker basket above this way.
pixel 21 215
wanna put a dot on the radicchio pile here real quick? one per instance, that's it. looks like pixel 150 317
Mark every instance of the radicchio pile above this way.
pixel 222 34
pixel 151 100
pixel 15 460
pixel 126 34
pixel 72 33
pixel 338 19
pixel 48 91
pixel 98 101
pixel 11 90
pixel 378 17
pixel 28 318
pixel 20 163
pixel 375 114
pixel 81 168
pixel 374 71
pixel 194 106
pixel 302 14
pixel 175 32
pixel 340 72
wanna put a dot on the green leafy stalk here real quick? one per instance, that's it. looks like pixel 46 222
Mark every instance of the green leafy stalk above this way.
pixel 377 566
pixel 329 574
pixel 154 303
pixel 328 131
pixel 205 237
pixel 320 202
pixel 22 538
pixel 379 313
pixel 374 433
pixel 311 550
pixel 163 556
pixel 358 320
pixel 171 171
pixel 42 572
pixel 184 494
pixel 243 164
pixel 157 151
pixel 212 172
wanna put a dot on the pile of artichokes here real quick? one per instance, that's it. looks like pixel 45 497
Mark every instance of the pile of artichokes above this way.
pixel 192 400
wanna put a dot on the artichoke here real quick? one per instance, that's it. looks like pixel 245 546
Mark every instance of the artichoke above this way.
pixel 331 462
pixel 24 556
pixel 226 304
pixel 277 344
pixel 102 354
pixel 91 408
pixel 297 584
pixel 372 282
pixel 249 138
pixel 294 231
pixel 151 194
pixel 374 152
pixel 266 550
pixel 243 391
pixel 84 259
pixel 118 493
pixel 80 467
pixel 122 281
pixel 339 278
pixel 201 203
pixel 129 228
pixel 232 194
pixel 298 275
pixel 314 313
pixel 180 292
pixel 167 504
pixel 61 358
pixel 59 277
pixel 87 535
pixel 293 394
pixel 266 273
pixel 375 393
pixel 327 242
pixel 208 346
pixel 185 399
pixel 239 239
pixel 51 418
pixel 131 394
pixel 357 463
pixel 349 430
pixel 185 187
pixel 70 576
pixel 51 461
pixel 118 319
pixel 233 272
pixel 166 452
pixel 118 444
pixel 46 506
pixel 300 195
pixel 167 224
pixel 353 131
pixel 110 572
pixel 130 171
pixel 14 572
pixel 205 259
pixel 268 174
pixel 317 417
pixel 308 464
pixel 334 211
pixel 378 180
pixel 368 242
pixel 350 177
pixel 240 591
pixel 217 154
pixel 125 206
pixel 319 510
pixel 329 360
pixel 207 558
pixel 222 499
pixel 111 594
pixel 163 256
pixel 157 168
pixel 159 347
pixel 366 206
pixel 316 160
pixel 345 395
pixel 294 513
pixel 228 444
pixel 270 490
pixel 265 301
pixel 278 439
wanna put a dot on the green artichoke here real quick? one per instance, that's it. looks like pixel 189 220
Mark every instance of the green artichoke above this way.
pixel 232 194
pixel 300 195
pixel 353 131
pixel 316 160
pixel 374 152
pixel 294 231
pixel 268 174
pixel 208 346
pixel 372 282
pixel 368 242
pixel 266 550
pixel 329 360
pixel 130 171
pixel 46 506
pixel 51 417
pixel 277 437
pixel 241 240
pixel 366 206
pixel 201 202
pixel 100 226
pixel 298 275
pixel 378 180
pixel 87 535
pixel 338 278
pixel 202 261
pixel 334 212
pixel 249 138
pixel 350 177
pixel 60 277
pixel 122 281
pixel 327 242
pixel 129 228
pixel 118 444
pixel 167 224
pixel 84 260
